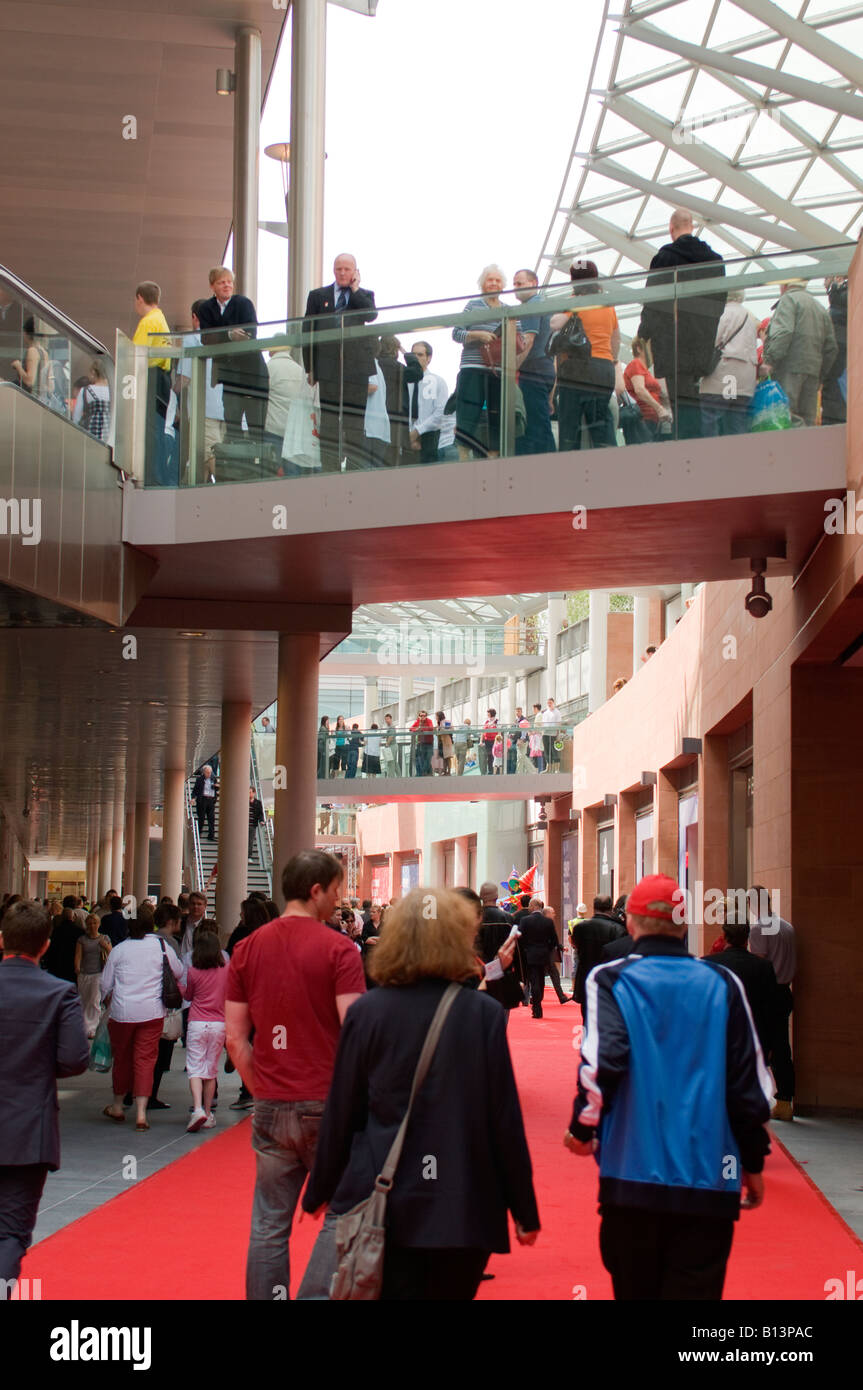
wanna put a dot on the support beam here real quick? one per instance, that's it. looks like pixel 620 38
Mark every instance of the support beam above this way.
pixel 247 140
pixel 840 59
pixel 141 871
pixel 801 88
pixel 598 644
pixel 117 847
pixel 172 834
pixel 234 758
pixel 715 165
pixel 642 252
pixel 128 874
pixel 294 825
pixel 308 122
pixel 106 841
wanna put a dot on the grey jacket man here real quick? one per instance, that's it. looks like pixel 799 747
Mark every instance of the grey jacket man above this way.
pixel 801 337
pixel 42 1037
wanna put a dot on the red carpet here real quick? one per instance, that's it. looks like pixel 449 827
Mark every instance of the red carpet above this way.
pixel 182 1233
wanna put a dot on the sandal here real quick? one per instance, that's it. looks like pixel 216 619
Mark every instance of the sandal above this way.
pixel 142 1126
pixel 109 1114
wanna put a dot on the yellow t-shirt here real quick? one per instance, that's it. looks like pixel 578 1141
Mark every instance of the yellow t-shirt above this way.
pixel 153 321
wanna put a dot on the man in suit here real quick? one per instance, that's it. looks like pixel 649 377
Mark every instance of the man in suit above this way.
pixel 204 793
pixel 588 938
pixel 494 929
pixel 229 317
pixel 757 977
pixel 42 1036
pixel 342 370
pixel 538 943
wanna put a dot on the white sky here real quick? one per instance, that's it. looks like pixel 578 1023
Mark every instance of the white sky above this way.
pixel 449 124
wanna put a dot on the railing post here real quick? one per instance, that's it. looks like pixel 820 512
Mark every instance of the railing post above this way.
pixel 507 388
pixel 196 404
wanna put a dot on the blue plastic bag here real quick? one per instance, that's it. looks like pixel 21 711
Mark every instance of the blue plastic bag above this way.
pixel 100 1048
pixel 769 408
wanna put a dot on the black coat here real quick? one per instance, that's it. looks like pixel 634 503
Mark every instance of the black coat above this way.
pixel 198 787
pixel 59 959
pixel 538 939
pixel 246 371
pixel 759 983
pixel 42 1036
pixel 588 938
pixel 115 926
pixel 467 1118
pixel 683 332
pixel 324 360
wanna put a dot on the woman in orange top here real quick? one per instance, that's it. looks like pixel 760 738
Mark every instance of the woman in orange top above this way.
pixel 585 385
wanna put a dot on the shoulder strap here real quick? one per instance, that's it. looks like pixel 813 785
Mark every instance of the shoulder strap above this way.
pixel 384 1181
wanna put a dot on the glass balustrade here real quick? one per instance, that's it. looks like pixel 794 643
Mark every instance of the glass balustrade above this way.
pixel 453 751
pixel 706 350
pixel 53 360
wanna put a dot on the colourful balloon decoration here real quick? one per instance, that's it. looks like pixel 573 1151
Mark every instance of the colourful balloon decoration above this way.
pixel 514 886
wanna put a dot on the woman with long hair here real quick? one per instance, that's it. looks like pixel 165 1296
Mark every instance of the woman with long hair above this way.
pixel 439 1233
pixel 585 385
pixel 204 989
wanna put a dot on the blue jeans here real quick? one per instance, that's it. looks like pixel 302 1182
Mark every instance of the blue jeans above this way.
pixel 284 1138
pixel 537 437
pixel 422 766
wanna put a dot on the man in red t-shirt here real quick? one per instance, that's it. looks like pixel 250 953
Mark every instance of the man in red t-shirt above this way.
pixel 423 745
pixel 292 982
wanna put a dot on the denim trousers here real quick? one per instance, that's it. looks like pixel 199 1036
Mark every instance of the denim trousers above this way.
pixel 284 1138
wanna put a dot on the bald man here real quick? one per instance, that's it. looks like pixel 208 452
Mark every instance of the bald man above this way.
pixel 682 343
pixel 342 371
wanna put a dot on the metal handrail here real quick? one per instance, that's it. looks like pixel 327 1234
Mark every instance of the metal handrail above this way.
pixel 265 840
pixel 192 820
pixel 50 311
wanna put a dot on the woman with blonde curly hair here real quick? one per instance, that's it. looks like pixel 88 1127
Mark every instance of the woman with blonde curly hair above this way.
pixel 465 1161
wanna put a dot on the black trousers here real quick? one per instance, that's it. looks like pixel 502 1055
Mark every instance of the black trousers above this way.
pixel 659 1256
pixel 779 1058
pixel 420 1274
pixel 554 976
pixel 163 1062
pixel 536 981
pixel 20 1192
pixel 207 812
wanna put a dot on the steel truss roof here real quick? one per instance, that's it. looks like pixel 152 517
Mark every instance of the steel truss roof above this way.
pixel 748 112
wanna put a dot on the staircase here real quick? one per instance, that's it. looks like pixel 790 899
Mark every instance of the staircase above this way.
pixel 258 878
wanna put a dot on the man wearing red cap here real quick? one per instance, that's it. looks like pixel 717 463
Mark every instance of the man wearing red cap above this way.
pixel 673 1097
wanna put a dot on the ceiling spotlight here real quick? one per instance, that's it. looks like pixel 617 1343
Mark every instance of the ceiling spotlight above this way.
pixel 758 601
pixel 226 82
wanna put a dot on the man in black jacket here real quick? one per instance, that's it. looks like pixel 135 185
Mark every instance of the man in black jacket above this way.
pixel 229 317
pixel 682 330
pixel 43 1037
pixel 756 975
pixel 588 938
pixel 342 368
pixel 204 793
pixel 494 929
pixel 538 942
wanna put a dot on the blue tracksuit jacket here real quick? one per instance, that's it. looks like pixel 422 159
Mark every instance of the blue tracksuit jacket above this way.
pixel 672 1080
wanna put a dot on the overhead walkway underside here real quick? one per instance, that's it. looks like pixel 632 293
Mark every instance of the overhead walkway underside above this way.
pixel 238 555
pixel 512 787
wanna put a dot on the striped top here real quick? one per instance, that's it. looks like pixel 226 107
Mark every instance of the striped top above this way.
pixel 472 352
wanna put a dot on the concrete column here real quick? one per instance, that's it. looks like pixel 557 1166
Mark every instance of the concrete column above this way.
pixel 172 834
pixel 640 630
pixel 462 862
pixel 406 690
pixel 665 825
pixel 236 749
pixel 117 847
pixel 433 872
pixel 296 752
pixel 140 883
pixel 509 712
pixel 556 612
pixel 308 121
pixel 474 700
pixel 106 842
pixel 128 854
pixel 247 139
pixel 370 699
pixel 598 643
pixel 713 830
pixel 624 844
pixel 588 867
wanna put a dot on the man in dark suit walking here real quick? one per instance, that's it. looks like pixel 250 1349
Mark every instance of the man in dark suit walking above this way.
pixel 538 942
pixel 42 1036
pixel 229 317
pixel 341 369
pixel 589 937
pixel 204 793
pixel 757 977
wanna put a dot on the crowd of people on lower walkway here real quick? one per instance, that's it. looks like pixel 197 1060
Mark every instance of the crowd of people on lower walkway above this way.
pixel 375 1042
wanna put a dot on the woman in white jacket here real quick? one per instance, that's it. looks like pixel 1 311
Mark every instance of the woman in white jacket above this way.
pixel 728 389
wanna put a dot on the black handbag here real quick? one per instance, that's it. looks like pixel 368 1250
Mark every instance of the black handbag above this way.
pixel 172 996
pixel 570 341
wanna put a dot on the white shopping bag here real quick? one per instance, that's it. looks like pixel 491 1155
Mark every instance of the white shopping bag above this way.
pixel 301 444
pixel 377 421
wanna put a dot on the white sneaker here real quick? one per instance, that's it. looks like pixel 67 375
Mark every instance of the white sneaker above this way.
pixel 198 1120
pixel 209 1123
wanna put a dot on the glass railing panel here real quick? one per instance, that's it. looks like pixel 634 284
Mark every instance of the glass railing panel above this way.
pixel 448 751
pixel 53 360
pixel 602 363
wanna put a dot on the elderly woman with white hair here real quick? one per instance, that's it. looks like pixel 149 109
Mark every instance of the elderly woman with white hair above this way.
pixel 478 385
pixel 727 390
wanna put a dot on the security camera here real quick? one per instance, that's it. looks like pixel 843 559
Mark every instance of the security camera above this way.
pixel 758 601
pixel 543 815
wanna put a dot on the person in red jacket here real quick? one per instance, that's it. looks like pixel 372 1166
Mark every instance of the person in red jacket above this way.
pixel 486 743
pixel 423 744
